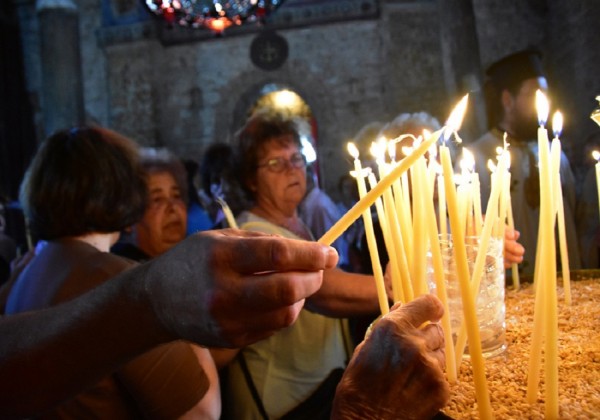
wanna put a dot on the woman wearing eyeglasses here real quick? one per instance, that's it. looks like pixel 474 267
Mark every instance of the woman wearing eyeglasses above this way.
pixel 303 363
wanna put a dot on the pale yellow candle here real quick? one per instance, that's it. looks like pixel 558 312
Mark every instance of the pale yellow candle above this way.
pixel 419 229
pixel 227 212
pixel 511 225
pixel 389 217
pixel 443 222
pixel 468 165
pixel 420 243
pixel 548 275
pixel 555 153
pixel 596 155
pixel 403 238
pixel 403 201
pixel 484 241
pixel 370 234
pixel 509 215
pixel 462 200
pixel 470 316
pixel 503 198
pixel 440 284
pixel 364 203
pixel 476 192
pixel 395 263
pixel 400 247
pixel 406 196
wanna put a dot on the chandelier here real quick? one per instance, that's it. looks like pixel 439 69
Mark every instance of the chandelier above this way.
pixel 216 15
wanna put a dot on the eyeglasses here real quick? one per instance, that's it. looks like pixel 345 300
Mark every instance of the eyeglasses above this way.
pixel 279 164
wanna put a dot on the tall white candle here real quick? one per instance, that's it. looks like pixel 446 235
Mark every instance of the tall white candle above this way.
pixel 545 322
pixel 555 153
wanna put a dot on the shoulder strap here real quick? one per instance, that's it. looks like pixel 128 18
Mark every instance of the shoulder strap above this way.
pixel 252 387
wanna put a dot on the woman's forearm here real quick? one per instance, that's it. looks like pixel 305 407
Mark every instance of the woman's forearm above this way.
pixel 344 294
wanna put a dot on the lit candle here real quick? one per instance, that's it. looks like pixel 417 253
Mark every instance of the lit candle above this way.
pixel 370 233
pixel 363 204
pixel 395 264
pixel 477 215
pixel 488 226
pixel 402 228
pixel 442 205
pixel 555 152
pixel 545 312
pixel 596 155
pixel 509 215
pixel 462 191
pixel 227 212
pixel 440 284
pixel 470 316
pixel 467 165
pixel 418 181
pixel 460 252
pixel 394 247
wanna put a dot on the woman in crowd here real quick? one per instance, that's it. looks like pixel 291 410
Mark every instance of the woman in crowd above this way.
pixel 293 374
pixel 83 186
pixel 163 225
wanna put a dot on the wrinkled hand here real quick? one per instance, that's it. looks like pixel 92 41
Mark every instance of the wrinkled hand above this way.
pixel 397 372
pixel 513 250
pixel 230 288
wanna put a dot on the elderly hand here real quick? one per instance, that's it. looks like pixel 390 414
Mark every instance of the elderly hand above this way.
pixel 397 372
pixel 230 288
pixel 513 251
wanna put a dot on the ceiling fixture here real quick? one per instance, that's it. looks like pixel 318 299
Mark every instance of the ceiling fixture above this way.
pixel 216 15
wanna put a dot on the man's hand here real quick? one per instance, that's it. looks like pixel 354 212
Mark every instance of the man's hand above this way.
pixel 397 372
pixel 230 288
pixel 513 250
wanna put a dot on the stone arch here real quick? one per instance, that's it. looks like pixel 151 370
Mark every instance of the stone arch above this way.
pixel 296 77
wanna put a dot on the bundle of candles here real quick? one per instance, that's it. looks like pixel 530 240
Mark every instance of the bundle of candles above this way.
pixel 409 224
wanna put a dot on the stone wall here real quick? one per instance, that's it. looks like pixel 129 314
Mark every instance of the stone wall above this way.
pixel 353 62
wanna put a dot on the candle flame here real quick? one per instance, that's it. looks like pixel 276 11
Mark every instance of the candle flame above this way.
pixel 407 150
pixel 391 148
pixel 467 162
pixel 456 117
pixel 596 155
pixel 377 150
pixel 557 123
pixel 433 152
pixel 542 106
pixel 462 179
pixel 353 150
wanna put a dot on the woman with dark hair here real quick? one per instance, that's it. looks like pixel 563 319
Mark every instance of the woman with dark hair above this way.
pixel 83 186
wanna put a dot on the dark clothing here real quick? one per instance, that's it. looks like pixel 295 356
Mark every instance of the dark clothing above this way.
pixel 165 382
